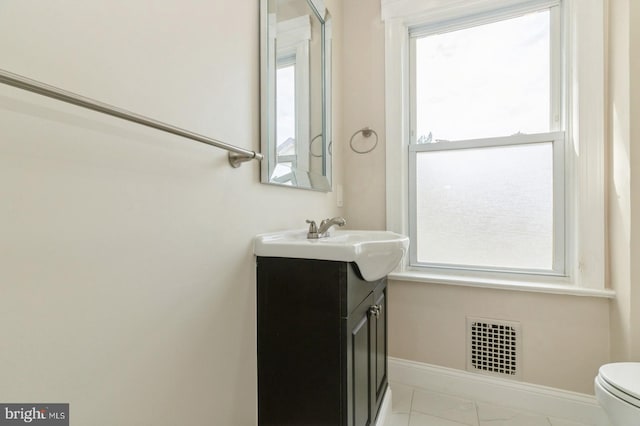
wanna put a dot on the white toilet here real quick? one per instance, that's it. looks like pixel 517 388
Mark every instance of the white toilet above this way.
pixel 618 392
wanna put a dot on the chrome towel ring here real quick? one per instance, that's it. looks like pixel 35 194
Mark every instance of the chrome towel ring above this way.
pixel 311 147
pixel 366 132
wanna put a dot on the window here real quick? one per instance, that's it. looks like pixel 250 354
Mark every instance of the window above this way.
pixel 496 141
pixel 486 160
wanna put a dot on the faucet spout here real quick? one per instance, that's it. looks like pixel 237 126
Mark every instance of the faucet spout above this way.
pixel 323 229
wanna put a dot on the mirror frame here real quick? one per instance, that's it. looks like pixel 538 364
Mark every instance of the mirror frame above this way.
pixel 313 181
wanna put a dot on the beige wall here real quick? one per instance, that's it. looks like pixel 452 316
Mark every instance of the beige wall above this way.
pixel 127 283
pixel 634 53
pixel 619 180
pixel 565 337
pixel 624 184
pixel 363 106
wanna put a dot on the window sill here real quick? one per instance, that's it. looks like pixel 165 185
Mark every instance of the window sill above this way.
pixel 496 284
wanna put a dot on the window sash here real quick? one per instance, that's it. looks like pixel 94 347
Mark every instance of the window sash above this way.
pixel 557 119
pixel 494 14
pixel 559 230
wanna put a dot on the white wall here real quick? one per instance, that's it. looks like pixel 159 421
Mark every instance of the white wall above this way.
pixel 565 338
pixel 127 283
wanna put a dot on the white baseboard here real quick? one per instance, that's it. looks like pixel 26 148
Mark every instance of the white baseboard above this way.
pixel 548 401
pixel 385 409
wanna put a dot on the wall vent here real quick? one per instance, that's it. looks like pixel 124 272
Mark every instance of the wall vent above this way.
pixel 493 347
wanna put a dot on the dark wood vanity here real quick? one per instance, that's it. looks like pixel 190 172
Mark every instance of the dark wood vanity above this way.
pixel 322 343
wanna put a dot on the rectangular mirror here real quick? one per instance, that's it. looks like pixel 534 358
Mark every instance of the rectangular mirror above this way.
pixel 295 61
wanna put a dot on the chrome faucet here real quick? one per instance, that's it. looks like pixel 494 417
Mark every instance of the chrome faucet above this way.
pixel 323 231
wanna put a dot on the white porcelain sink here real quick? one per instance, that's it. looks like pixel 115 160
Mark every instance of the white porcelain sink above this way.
pixel 375 252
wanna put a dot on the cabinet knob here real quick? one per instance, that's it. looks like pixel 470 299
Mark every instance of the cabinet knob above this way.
pixel 375 310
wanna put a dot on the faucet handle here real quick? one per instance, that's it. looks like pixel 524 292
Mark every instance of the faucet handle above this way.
pixel 313 229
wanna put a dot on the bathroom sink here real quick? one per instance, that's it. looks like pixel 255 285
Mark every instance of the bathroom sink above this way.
pixel 375 252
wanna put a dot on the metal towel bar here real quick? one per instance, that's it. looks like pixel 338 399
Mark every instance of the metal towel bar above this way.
pixel 236 155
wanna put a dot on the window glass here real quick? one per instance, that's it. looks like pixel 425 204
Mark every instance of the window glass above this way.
pixel 485 81
pixel 286 108
pixel 490 207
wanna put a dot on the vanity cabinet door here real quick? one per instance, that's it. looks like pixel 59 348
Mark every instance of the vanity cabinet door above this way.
pixel 322 345
pixel 360 334
pixel 299 341
pixel 379 346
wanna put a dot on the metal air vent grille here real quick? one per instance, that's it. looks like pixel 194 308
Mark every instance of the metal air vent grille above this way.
pixel 493 347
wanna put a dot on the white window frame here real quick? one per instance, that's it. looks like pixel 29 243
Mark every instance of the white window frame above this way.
pixel 583 113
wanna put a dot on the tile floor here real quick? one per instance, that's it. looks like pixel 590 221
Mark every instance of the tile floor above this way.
pixel 418 407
